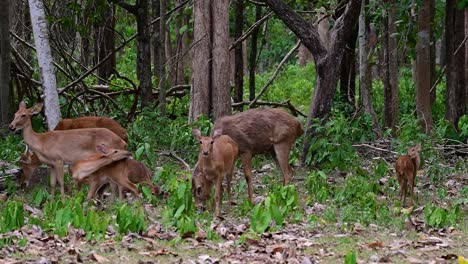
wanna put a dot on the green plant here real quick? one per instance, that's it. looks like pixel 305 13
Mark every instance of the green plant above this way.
pixel 440 217
pixel 350 258
pixel 317 187
pixel 13 216
pixel 130 218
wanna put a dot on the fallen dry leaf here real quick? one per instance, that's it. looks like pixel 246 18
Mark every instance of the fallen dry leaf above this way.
pixel 376 244
pixel 98 258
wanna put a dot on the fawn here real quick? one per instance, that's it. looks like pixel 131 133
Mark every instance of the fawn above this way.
pixel 406 168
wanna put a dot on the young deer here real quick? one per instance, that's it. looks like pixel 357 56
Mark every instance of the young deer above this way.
pixel 262 130
pixel 56 148
pixel 406 168
pixel 29 161
pixel 215 161
pixel 115 167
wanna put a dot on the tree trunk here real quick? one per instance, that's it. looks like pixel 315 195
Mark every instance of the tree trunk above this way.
pixel 238 54
pixel 432 52
pixel 423 68
pixel 44 57
pixel 327 61
pixel 348 70
pixel 466 60
pixel 390 67
pixel 365 76
pixel 455 91
pixel 179 47
pixel 156 40
pixel 253 54
pixel 104 34
pixel 221 101
pixel 5 113
pixel 201 64
pixel 162 57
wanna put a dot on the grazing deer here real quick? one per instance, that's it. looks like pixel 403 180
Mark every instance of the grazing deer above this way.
pixel 29 161
pixel 56 148
pixel 262 130
pixel 215 161
pixel 114 167
pixel 406 168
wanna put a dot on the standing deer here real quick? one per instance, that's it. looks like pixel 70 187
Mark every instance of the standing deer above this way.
pixel 56 148
pixel 262 130
pixel 406 168
pixel 215 161
pixel 112 166
pixel 29 161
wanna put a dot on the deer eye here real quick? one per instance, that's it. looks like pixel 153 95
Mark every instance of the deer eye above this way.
pixel 23 115
pixel 212 142
pixel 200 142
pixel 199 190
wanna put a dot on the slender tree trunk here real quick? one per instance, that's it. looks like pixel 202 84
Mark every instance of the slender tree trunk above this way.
pixel 221 100
pixel 432 52
pixel 5 109
pixel 104 34
pixel 365 75
pixel 348 69
pixel 455 102
pixel 390 72
pixel 423 68
pixel 44 57
pixel 179 47
pixel 162 57
pixel 156 40
pixel 238 54
pixel 253 54
pixel 201 63
pixel 466 60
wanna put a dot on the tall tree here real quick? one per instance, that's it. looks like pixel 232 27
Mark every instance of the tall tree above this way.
pixel 423 67
pixel 162 57
pixel 44 57
pixel 104 37
pixel 365 76
pixel 253 54
pixel 390 65
pixel 238 56
pixel 327 61
pixel 140 11
pixel 210 77
pixel 5 113
pixel 455 102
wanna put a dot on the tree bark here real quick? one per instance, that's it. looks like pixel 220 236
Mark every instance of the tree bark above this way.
pixel 432 52
pixel 238 54
pixel 423 68
pixel 365 76
pixel 44 57
pixel 390 65
pixel 156 39
pixel 455 102
pixel 5 109
pixel 104 39
pixel 201 64
pixel 348 69
pixel 221 100
pixel 327 61
pixel 253 54
pixel 162 57
pixel 466 60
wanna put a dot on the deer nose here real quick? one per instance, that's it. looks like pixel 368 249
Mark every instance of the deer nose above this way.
pixel 205 152
pixel 11 127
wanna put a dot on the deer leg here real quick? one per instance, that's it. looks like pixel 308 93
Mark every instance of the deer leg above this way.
pixel 246 159
pixel 282 155
pixel 94 185
pixel 411 189
pixel 218 194
pixel 228 185
pixel 59 173
pixel 124 182
pixel 53 180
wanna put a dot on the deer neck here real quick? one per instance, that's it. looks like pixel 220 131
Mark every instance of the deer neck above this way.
pixel 417 161
pixel 30 137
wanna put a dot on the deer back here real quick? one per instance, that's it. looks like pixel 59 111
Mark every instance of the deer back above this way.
pixel 93 122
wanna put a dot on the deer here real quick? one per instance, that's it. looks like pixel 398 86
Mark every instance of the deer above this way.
pixel 29 161
pixel 262 130
pixel 112 166
pixel 406 168
pixel 215 161
pixel 56 148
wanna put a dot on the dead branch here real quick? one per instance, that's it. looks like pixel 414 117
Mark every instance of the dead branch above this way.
pixel 277 70
pixel 249 31
pixel 173 155
pixel 286 104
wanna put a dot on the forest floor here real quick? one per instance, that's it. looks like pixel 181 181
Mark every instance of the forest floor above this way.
pixel 403 239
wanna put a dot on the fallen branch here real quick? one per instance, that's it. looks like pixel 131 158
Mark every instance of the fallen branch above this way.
pixel 173 155
pixel 277 70
pixel 249 31
pixel 286 104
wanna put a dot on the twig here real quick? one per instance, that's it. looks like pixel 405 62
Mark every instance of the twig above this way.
pixel 173 155
pixel 286 104
pixel 273 77
pixel 249 31
pixel 376 148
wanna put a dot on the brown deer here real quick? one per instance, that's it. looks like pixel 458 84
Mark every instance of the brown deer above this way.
pixel 29 161
pixel 115 167
pixel 406 168
pixel 262 130
pixel 56 148
pixel 215 161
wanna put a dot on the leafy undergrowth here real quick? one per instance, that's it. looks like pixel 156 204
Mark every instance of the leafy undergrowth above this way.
pixel 324 217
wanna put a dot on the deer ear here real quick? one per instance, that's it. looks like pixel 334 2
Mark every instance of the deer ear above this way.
pixel 218 132
pixel 22 105
pixel 196 133
pixel 37 108
pixel 418 146
pixel 102 149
